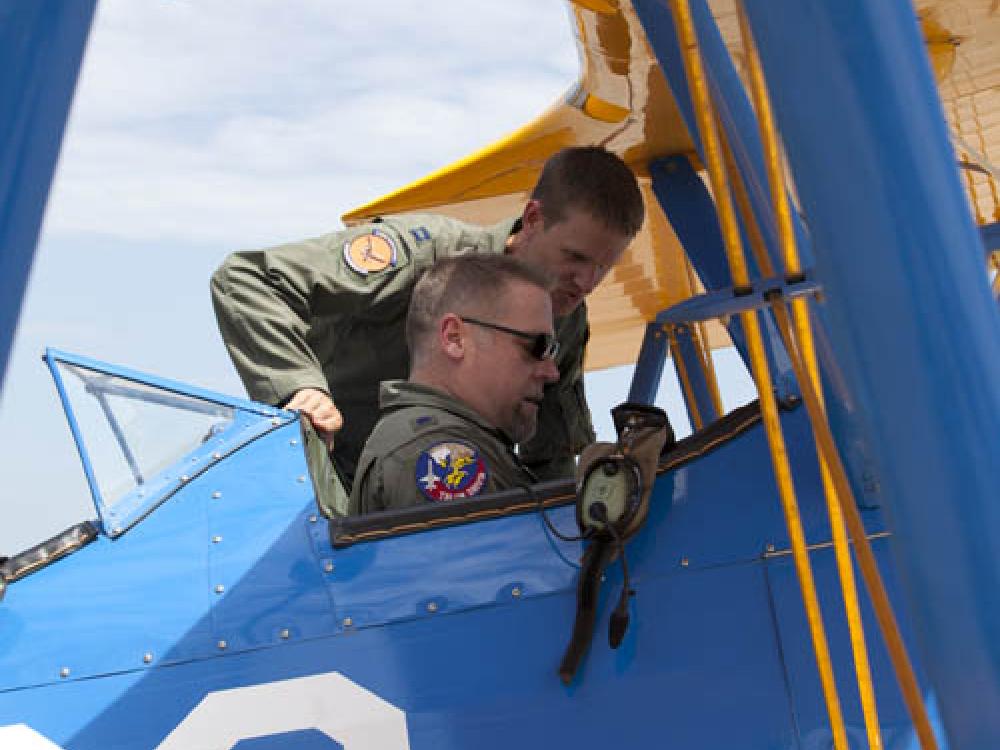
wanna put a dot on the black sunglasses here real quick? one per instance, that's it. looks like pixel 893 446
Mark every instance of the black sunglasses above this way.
pixel 543 345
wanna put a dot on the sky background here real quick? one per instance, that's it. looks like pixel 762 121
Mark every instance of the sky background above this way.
pixel 202 126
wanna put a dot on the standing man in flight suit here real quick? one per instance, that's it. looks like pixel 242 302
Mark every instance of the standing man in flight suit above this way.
pixel 482 347
pixel 316 325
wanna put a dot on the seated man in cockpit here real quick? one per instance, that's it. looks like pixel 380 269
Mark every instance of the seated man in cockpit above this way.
pixel 482 347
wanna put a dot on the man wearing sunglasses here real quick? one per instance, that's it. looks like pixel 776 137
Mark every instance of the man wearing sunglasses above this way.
pixel 483 348
pixel 316 325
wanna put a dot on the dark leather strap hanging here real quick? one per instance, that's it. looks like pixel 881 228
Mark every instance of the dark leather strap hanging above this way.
pixel 614 486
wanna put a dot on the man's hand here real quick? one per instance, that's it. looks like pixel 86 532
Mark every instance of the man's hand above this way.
pixel 320 409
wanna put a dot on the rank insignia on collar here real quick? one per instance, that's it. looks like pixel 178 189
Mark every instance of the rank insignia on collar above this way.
pixel 370 253
pixel 451 471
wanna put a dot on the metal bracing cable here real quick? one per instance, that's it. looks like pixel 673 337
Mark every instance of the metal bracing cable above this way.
pixel 687 38
pixel 700 336
pixel 758 247
pixel 866 559
pixel 990 177
pixel 682 374
pixel 995 262
pixel 971 179
pixel 801 350
pixel 699 333
pixel 792 267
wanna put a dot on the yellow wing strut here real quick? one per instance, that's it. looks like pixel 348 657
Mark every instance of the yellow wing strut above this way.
pixel 711 143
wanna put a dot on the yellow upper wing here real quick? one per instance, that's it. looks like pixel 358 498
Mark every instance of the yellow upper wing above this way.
pixel 623 103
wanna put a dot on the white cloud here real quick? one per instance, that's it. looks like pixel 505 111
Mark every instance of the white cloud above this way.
pixel 238 123
pixel 202 126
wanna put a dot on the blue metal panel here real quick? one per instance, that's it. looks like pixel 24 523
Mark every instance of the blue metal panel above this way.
pixel 724 507
pixel 486 678
pixel 272 581
pixel 159 579
pixel 104 607
pixel 649 365
pixel 304 739
pixel 807 697
pixel 475 565
pixel 41 43
pixel 912 320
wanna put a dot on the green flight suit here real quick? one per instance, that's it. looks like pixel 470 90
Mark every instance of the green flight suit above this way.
pixel 320 314
pixel 429 447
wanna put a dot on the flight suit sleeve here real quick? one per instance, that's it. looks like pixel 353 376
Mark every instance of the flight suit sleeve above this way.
pixel 564 422
pixel 275 306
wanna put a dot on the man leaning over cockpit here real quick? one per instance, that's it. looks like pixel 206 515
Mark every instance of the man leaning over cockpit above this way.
pixel 482 347
pixel 316 325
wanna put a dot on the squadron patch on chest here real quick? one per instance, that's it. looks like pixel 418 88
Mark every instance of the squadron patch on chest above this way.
pixel 451 471
pixel 371 253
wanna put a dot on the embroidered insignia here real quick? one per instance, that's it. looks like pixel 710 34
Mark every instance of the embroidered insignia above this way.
pixel 451 471
pixel 420 234
pixel 370 253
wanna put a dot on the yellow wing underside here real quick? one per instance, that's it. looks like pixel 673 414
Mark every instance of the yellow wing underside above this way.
pixel 622 102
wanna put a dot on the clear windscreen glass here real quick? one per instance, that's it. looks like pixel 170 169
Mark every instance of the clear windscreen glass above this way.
pixel 133 431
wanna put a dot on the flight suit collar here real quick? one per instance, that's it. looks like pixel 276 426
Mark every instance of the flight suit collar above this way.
pixel 399 394
pixel 501 232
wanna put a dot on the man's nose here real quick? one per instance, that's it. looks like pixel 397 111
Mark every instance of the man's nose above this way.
pixel 588 278
pixel 548 371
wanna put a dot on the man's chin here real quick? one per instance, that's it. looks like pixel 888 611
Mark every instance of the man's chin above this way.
pixel 523 432
pixel 563 306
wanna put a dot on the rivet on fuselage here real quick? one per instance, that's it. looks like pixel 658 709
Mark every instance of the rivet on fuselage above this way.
pixel 64 672
pixel 285 634
pixel 185 478
pixel 293 442
pixel 348 622
pixel 147 658
pixel 313 519
pixel 222 645
pixel 219 588
pixel 216 495
pixel 328 567
pixel 217 456
pixel 301 478
pixel 432 607
pixel 685 562
pixel 515 592
pixel 216 539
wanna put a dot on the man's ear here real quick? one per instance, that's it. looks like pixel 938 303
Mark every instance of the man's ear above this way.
pixel 532 219
pixel 452 334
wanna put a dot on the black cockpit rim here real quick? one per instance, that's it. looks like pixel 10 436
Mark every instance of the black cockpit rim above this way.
pixel 349 530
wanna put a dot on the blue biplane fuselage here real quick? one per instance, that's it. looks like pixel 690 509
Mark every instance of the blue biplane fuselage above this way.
pixel 224 613
pixel 212 605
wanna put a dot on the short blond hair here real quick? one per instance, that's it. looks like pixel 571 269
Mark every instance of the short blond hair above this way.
pixel 470 284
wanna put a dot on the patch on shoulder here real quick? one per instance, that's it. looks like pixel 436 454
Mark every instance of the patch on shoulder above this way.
pixel 371 253
pixel 451 471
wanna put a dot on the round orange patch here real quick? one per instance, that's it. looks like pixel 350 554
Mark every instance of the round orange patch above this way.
pixel 370 253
